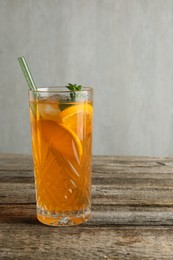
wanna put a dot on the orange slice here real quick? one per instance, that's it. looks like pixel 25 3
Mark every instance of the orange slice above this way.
pixel 78 118
pixel 60 138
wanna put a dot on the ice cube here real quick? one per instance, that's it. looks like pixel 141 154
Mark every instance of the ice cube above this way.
pixel 49 108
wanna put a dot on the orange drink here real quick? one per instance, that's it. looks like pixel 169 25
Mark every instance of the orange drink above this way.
pixel 62 152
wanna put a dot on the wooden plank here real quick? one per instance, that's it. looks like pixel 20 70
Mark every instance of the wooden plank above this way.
pixel 101 194
pixel 130 159
pixel 132 196
pixel 17 193
pixel 32 241
pixel 117 179
pixel 15 162
pixel 16 176
pixel 24 162
pixel 102 215
pixel 99 177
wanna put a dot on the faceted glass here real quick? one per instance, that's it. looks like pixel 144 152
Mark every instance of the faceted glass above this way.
pixel 61 128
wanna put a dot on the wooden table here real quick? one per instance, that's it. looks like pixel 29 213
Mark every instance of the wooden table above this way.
pixel 132 204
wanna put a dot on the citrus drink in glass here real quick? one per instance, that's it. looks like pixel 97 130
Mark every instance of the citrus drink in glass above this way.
pixel 61 128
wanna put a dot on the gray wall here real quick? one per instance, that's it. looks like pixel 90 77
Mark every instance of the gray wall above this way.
pixel 123 48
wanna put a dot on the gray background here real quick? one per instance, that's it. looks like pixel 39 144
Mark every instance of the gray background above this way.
pixel 123 48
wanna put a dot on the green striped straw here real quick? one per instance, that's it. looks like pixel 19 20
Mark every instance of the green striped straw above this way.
pixel 27 74
pixel 29 80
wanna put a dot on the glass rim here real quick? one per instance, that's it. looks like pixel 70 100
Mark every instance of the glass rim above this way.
pixel 60 89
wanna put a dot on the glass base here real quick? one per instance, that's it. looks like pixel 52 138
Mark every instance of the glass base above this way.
pixel 63 219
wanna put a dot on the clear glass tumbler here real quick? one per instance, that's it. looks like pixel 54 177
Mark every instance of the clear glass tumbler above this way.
pixel 61 128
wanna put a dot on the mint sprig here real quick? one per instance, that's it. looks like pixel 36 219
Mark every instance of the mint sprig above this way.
pixel 74 88
pixel 74 96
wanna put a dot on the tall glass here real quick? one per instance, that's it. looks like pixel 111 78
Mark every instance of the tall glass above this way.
pixel 61 127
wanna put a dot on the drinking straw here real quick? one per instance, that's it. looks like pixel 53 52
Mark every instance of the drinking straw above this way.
pixel 29 80
pixel 27 74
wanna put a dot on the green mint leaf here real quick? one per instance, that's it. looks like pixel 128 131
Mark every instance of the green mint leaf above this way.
pixel 62 106
pixel 72 95
pixel 73 88
pixel 78 88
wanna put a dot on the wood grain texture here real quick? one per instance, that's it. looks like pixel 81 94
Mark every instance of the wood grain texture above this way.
pixel 132 205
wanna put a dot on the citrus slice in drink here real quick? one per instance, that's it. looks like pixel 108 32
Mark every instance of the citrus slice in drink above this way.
pixel 60 138
pixel 78 118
